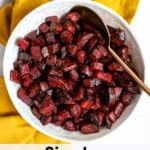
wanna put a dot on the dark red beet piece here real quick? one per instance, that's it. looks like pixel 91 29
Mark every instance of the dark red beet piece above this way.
pixel 80 94
pixel 50 38
pixel 70 26
pixel 66 37
pixel 74 76
pixel 92 43
pixel 35 112
pixel 103 76
pixel 74 16
pixel 51 19
pixel 54 48
pixel 81 56
pixel 126 98
pixel 31 35
pixel 75 110
pixel 34 90
pixel 114 66
pixel 15 76
pixel 27 81
pixel 46 120
pixel 35 73
pixel 22 94
pixel 97 66
pixel 48 106
pixel 82 41
pixel 23 44
pixel 36 52
pixel 72 49
pixel 69 125
pixel 43 28
pixel 25 69
pixel 96 54
pixel 118 109
pixel 87 128
pixel 44 86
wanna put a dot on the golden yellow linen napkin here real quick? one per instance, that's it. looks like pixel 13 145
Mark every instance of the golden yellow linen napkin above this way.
pixel 13 129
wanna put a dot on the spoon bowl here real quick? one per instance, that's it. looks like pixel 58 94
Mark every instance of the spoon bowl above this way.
pixel 90 16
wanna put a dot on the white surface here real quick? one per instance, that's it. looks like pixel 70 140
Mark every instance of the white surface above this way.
pixel 136 130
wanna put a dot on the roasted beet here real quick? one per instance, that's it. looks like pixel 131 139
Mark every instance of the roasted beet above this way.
pixel 87 128
pixel 68 77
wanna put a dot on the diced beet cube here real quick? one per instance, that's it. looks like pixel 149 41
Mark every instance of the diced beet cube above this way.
pixel 23 56
pixel 114 66
pixel 25 69
pixel 50 38
pixel 54 48
pixel 37 103
pixel 103 50
pixel 97 66
pixel 35 112
pixel 31 35
pixel 87 71
pixel 61 116
pixel 44 28
pixel 22 94
pixel 23 44
pixel 74 75
pixel 80 94
pixel 48 106
pixel 51 19
pixel 96 54
pixel 83 40
pixel 68 66
pixel 103 76
pixel 116 41
pixel 69 125
pixel 73 49
pixel 75 110
pixel 112 97
pixel 46 120
pixel 66 37
pixel 51 60
pixel 55 27
pixel 86 104
pixel 87 26
pixel 97 104
pixel 36 52
pixel 45 52
pixel 112 116
pixel 15 76
pixel 118 109
pixel 38 42
pixel 90 91
pixel 100 116
pixel 124 53
pixel 74 16
pixel 34 90
pixel 92 43
pixel 44 86
pixel 70 26
pixel 108 122
pixel 81 56
pixel 27 81
pixel 89 83
pixel 55 72
pixel 126 98
pixel 35 73
pixel 58 83
pixel 87 128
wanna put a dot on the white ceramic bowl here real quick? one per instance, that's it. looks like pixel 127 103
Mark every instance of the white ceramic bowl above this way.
pixel 32 21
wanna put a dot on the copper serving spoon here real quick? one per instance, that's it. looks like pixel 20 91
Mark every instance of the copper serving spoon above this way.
pixel 91 16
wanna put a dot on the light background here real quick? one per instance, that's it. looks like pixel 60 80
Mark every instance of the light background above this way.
pixel 136 129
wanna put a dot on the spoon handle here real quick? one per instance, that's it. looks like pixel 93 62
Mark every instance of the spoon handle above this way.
pixel 130 72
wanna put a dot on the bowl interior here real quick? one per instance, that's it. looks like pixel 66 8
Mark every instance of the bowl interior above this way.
pixel 31 22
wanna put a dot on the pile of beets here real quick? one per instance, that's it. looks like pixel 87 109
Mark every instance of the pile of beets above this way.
pixel 68 77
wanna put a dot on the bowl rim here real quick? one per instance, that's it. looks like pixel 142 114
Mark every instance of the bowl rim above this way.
pixel 34 11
